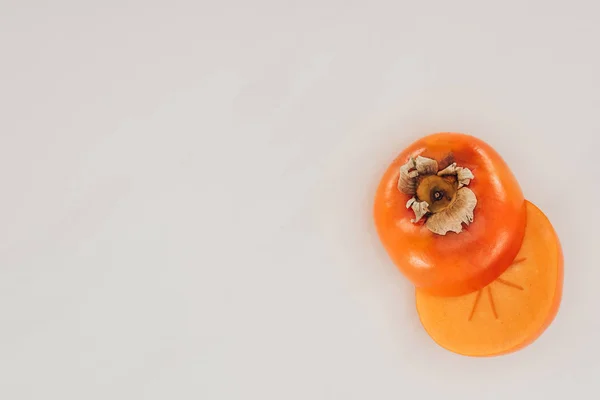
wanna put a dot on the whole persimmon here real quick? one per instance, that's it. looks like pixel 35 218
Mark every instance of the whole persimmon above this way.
pixel 450 214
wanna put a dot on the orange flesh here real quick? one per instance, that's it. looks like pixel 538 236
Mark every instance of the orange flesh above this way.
pixel 454 264
pixel 512 311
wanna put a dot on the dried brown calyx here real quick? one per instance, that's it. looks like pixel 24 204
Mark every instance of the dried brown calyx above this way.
pixel 440 196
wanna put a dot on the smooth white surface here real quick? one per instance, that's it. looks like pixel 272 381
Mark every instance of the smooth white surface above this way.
pixel 187 190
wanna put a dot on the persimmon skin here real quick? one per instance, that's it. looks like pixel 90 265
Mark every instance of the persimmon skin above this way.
pixel 454 264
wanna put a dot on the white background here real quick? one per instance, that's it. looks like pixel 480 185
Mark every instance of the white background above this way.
pixel 187 191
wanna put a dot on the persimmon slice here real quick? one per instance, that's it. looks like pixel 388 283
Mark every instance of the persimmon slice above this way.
pixel 455 263
pixel 512 311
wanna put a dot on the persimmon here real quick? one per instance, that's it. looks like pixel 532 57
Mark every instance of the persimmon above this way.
pixel 511 312
pixel 450 214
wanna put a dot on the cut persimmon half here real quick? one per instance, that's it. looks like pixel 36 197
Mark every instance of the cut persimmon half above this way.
pixel 511 312
pixel 450 214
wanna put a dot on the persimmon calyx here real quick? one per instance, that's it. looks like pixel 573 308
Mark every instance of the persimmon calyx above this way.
pixel 421 208
pixel 439 196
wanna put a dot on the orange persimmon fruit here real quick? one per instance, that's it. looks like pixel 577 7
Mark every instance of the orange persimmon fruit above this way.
pixel 453 264
pixel 512 311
